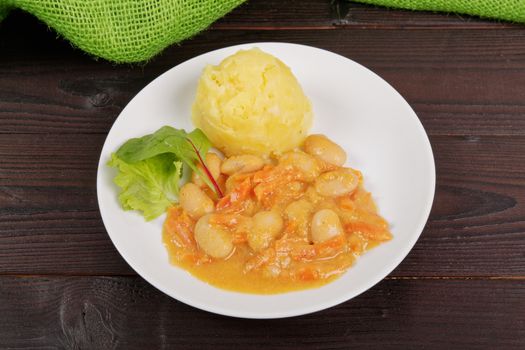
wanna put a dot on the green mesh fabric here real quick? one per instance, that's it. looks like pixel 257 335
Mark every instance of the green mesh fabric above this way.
pixel 136 30
pixel 124 30
pixel 509 10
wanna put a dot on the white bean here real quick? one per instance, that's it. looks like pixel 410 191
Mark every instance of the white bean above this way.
pixel 336 183
pixel 213 163
pixel 266 226
pixel 307 164
pixel 320 146
pixel 194 201
pixel 299 212
pixel 244 163
pixel 325 225
pixel 213 240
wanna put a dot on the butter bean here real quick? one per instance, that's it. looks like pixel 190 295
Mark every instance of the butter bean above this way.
pixel 336 183
pixel 325 225
pixel 266 226
pixel 300 212
pixel 194 201
pixel 305 163
pixel 241 164
pixel 213 240
pixel 325 149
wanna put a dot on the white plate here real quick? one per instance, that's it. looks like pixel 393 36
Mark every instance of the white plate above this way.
pixel 353 106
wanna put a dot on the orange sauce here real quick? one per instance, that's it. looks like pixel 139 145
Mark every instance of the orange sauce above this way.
pixel 292 261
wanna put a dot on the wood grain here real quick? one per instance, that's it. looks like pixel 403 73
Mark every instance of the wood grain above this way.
pixel 334 14
pixel 116 313
pixel 460 82
pixel 462 286
pixel 50 213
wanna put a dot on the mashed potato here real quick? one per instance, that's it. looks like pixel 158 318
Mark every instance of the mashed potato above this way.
pixel 252 103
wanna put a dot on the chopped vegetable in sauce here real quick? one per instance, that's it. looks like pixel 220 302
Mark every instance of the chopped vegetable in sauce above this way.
pixel 294 222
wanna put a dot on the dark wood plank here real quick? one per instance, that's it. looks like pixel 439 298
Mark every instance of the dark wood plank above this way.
pixel 110 313
pixel 48 206
pixel 283 14
pixel 50 214
pixel 374 17
pixel 325 14
pixel 479 205
pixel 460 82
pixel 462 286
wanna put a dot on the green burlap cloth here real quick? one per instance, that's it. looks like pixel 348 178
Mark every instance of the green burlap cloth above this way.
pixel 135 30
pixel 124 30
pixel 508 10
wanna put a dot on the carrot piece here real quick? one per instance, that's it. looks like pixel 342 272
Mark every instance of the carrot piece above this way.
pixel 225 219
pixel 240 237
pixel 264 174
pixel 295 248
pixel 330 247
pixel 307 274
pixel 303 253
pixel 269 185
pixel 179 226
pixel 236 196
pixel 289 228
pixel 260 260
pixel 370 231
pixel 346 203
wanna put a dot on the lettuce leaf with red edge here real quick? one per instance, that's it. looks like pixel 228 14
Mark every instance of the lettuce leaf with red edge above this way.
pixel 150 168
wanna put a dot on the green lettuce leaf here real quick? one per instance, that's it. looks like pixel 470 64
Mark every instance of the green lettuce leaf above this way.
pixel 149 185
pixel 150 168
pixel 165 140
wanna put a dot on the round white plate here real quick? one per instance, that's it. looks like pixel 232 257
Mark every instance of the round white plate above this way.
pixel 354 107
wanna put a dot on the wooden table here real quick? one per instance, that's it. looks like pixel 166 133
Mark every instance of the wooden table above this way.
pixel 63 285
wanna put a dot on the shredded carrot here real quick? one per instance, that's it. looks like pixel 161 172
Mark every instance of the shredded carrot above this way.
pixel 264 174
pixel 330 247
pixel 236 196
pixel 296 248
pixel 180 227
pixel 270 185
pixel 370 231
pixel 239 237
pixel 260 260
pixel 308 274
pixel 304 252
pixel 290 227
pixel 346 203
pixel 225 219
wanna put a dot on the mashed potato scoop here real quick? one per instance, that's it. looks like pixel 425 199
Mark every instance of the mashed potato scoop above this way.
pixel 252 103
